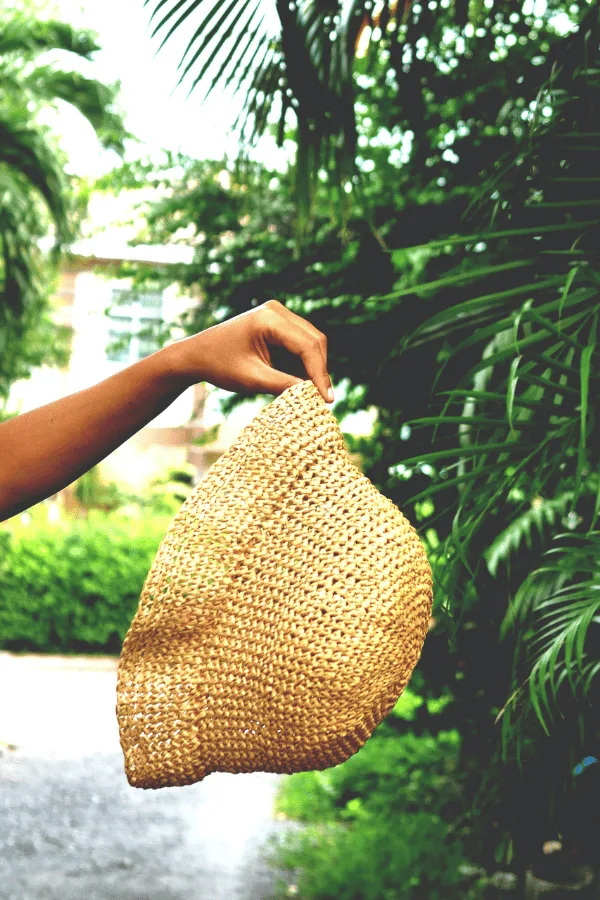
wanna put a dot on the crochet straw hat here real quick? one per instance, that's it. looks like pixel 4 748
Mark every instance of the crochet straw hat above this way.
pixel 282 616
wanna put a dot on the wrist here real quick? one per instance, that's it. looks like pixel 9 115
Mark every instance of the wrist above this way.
pixel 174 366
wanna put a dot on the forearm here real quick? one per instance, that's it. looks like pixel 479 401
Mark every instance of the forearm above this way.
pixel 46 449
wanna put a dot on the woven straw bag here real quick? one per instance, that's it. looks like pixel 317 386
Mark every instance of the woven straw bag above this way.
pixel 282 616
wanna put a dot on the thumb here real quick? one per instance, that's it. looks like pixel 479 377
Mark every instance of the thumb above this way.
pixel 272 381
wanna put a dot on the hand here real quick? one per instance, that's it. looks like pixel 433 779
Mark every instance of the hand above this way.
pixel 233 355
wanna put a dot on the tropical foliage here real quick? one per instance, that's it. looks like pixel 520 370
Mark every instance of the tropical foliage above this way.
pixel 36 197
pixel 302 65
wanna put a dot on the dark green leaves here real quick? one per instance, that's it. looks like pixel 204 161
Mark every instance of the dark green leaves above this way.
pixel 303 70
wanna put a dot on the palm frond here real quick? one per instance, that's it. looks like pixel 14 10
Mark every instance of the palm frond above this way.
pixel 561 601
pixel 21 286
pixel 219 26
pixel 26 35
pixel 246 55
pixel 35 196
pixel 26 152
pixel 94 100
pixel 528 331
pixel 514 446
pixel 542 512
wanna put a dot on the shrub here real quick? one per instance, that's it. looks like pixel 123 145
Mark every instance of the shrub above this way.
pixel 388 823
pixel 389 773
pixel 409 857
pixel 74 586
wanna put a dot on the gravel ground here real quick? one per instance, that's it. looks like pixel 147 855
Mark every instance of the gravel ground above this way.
pixel 71 827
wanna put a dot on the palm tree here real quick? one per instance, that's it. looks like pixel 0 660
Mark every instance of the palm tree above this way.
pixel 35 194
pixel 303 71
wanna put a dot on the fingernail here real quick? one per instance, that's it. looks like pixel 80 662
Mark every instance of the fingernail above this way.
pixel 330 395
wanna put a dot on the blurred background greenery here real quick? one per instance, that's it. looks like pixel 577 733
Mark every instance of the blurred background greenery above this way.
pixel 439 220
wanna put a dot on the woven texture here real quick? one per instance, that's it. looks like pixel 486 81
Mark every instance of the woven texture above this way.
pixel 282 616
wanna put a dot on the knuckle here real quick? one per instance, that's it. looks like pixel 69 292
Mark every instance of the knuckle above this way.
pixel 265 312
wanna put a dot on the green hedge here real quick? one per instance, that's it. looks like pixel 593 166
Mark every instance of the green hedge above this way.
pixel 384 825
pixel 409 856
pixel 74 586
pixel 381 826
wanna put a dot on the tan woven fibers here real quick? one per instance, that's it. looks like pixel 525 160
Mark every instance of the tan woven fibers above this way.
pixel 282 616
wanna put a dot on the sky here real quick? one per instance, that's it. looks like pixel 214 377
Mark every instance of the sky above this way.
pixel 156 111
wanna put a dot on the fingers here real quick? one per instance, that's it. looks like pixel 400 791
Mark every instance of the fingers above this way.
pixel 300 337
pixel 305 347
pixel 303 323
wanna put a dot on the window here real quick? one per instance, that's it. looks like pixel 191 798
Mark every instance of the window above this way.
pixel 119 336
pixel 134 321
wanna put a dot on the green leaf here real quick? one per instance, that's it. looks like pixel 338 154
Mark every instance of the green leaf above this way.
pixel 569 281
pixel 458 278
pixel 542 512
pixel 237 62
pixel 194 4
pixel 586 358
pixel 511 389
pixel 231 13
pixel 457 240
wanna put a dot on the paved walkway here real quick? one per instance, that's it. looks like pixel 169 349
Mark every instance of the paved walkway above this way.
pixel 71 827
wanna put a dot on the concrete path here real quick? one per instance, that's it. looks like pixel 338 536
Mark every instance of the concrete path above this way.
pixel 71 827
